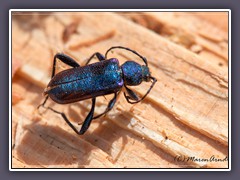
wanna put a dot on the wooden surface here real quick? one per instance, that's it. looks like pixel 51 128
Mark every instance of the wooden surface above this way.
pixel 184 116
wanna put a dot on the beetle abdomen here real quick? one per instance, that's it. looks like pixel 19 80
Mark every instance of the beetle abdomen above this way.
pixel 85 82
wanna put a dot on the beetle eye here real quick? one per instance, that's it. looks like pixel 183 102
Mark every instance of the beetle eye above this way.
pixel 145 74
pixel 148 78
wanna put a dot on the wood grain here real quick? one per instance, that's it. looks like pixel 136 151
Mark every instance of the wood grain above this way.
pixel 184 116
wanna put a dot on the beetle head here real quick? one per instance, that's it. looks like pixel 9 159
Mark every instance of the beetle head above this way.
pixel 134 73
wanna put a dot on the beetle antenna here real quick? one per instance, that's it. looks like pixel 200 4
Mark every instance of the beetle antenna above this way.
pixel 121 47
pixel 153 83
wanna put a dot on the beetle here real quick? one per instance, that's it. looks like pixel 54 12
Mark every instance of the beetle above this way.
pixel 97 79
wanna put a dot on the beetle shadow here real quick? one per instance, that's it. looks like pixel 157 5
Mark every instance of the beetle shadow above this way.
pixel 216 145
pixel 106 136
pixel 103 136
pixel 52 146
pixel 114 133
pixel 44 146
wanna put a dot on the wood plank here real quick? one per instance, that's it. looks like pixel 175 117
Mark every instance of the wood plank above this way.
pixel 190 29
pixel 219 19
pixel 185 115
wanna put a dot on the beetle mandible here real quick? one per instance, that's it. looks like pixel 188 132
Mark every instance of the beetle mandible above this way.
pixel 93 80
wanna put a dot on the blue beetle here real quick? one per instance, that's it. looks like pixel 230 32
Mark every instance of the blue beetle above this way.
pixel 93 80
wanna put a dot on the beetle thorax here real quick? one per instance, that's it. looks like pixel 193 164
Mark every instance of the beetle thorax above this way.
pixel 134 73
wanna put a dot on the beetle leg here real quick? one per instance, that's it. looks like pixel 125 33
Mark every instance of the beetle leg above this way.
pixel 65 59
pixel 99 56
pixel 65 119
pixel 44 102
pixel 88 119
pixel 134 96
pixel 109 107
pixel 86 123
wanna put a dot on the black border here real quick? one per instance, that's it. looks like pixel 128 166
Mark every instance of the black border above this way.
pixel 128 169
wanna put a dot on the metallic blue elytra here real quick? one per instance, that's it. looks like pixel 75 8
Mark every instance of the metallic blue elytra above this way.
pixel 92 80
pixel 86 82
